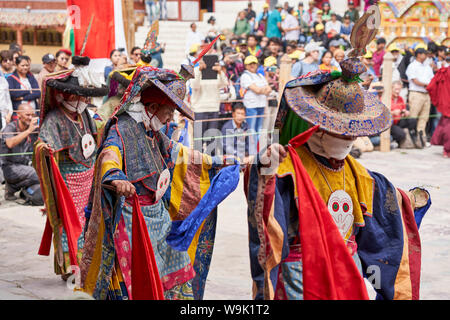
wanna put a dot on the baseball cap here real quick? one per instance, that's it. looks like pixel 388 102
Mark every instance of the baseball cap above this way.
pixel 250 59
pixel 319 12
pixel 270 61
pixel 194 48
pixel 242 42
pixel 265 5
pixel 368 54
pixel 334 43
pixel 48 58
pixel 320 26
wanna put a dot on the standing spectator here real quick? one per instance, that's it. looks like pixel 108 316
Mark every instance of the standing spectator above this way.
pixel 261 21
pixel 62 59
pixel 311 12
pixel 285 9
pixel 194 37
pixel 401 117
pixel 135 55
pixel 233 66
pixel 441 57
pixel 213 31
pixel 369 75
pixel 346 27
pixel 419 76
pixel 162 9
pixel 19 137
pixel 255 90
pixel 150 9
pixel 352 12
pixel 252 46
pixel 157 55
pixel 302 17
pixel 48 66
pixel 326 12
pixel 6 109
pixel 333 24
pixel 114 57
pixel 236 141
pixel 274 23
pixel 309 63
pixel 23 85
pixel 249 13
pixel 326 62
pixel 205 101
pixel 290 26
pixel 319 35
pixel 377 56
pixel 8 65
pixel 271 74
pixel 241 26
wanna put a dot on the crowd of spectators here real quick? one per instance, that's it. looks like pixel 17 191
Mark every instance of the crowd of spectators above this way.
pixel 315 37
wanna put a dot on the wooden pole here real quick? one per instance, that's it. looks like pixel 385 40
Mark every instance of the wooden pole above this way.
pixel 285 74
pixel 388 61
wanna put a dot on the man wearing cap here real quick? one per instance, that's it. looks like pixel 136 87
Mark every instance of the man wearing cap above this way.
pixel 48 66
pixel 419 76
pixel 318 220
pixel 319 34
pixel 352 12
pixel 261 21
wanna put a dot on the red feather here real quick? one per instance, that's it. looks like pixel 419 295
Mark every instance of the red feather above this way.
pixel 206 49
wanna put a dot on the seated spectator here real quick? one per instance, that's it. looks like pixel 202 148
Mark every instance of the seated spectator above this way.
pixel 242 48
pixel 237 140
pixel 309 63
pixel 291 47
pixel 252 46
pixel 339 56
pixel 135 55
pixel 274 48
pixel 326 12
pixel 48 66
pixel 62 59
pixel 333 24
pixel 8 65
pixel 213 30
pixel 233 66
pixel 18 137
pixel 6 109
pixel 319 35
pixel 241 26
pixel 326 62
pixel 263 43
pixel 401 121
pixel 23 85
pixel 254 90
pixel 234 43
pixel 351 12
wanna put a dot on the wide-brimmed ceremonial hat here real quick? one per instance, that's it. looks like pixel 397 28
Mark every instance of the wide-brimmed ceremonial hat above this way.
pixel 336 102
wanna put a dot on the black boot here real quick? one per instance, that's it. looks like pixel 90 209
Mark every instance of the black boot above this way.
pixel 422 140
pixel 9 193
pixel 414 138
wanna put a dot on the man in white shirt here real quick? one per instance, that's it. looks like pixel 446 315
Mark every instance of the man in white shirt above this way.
pixel 290 26
pixel 419 76
pixel 194 37
pixel 333 24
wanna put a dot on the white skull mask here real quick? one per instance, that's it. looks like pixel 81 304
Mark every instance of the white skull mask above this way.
pixel 163 184
pixel 87 145
pixel 340 206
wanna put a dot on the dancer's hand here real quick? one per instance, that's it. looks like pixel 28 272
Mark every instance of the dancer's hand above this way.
pixel 123 188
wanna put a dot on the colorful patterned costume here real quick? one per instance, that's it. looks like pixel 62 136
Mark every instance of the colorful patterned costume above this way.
pixel 300 248
pixel 64 204
pixel 130 152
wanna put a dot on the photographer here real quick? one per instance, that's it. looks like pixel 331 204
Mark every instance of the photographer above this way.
pixel 18 138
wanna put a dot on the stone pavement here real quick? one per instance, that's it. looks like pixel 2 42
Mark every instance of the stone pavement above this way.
pixel 25 275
